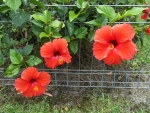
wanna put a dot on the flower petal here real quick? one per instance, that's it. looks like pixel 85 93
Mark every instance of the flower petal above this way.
pixel 100 51
pixel 144 16
pixel 30 92
pixel 21 85
pixel 51 62
pixel 126 50
pixel 30 73
pixel 122 32
pixel 60 45
pixel 113 58
pixel 44 78
pixel 103 35
pixel 47 50
pixel 66 57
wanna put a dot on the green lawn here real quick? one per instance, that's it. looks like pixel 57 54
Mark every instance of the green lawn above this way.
pixel 93 102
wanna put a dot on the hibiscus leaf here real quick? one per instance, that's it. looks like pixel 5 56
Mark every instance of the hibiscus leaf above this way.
pixel 11 70
pixel 98 22
pixel 132 12
pixel 19 17
pixel 15 57
pixel 44 17
pixel 56 34
pixel 72 15
pixel 70 28
pixel 36 2
pixel 33 60
pixel 108 11
pixel 81 32
pixel 57 24
pixel 13 4
pixel 73 46
pixel 43 34
pixel 27 49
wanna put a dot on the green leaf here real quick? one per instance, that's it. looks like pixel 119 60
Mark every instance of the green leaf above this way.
pixel 37 23
pixel 56 34
pixel 15 57
pixel 70 28
pixel 132 12
pixel 36 30
pixel 43 34
pixel 33 60
pixel 19 17
pixel 91 35
pixel 73 46
pixel 56 24
pixel 2 59
pixel 81 32
pixel 4 8
pixel 79 3
pixel 83 17
pixel 45 17
pixel 67 38
pixel 72 15
pixel 8 41
pixel 98 22
pixel 47 29
pixel 108 11
pixel 13 4
pixel 12 70
pixel 35 2
pixel 27 49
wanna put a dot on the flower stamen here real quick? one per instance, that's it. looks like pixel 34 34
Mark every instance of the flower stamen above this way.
pixel 111 46
pixel 61 61
pixel 36 88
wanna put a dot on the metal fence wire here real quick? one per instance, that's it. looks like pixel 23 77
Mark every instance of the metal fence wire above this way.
pixel 86 71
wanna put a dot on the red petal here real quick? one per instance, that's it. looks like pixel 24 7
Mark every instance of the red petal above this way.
pixel 144 16
pixel 30 73
pixel 51 62
pixel 30 92
pixel 113 58
pixel 122 32
pixel 44 78
pixel 47 50
pixel 21 85
pixel 100 51
pixel 60 45
pixel 66 57
pixel 126 50
pixel 103 35
pixel 146 10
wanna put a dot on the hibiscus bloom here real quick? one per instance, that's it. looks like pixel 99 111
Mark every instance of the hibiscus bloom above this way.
pixel 114 44
pixel 145 13
pixel 55 53
pixel 147 30
pixel 32 83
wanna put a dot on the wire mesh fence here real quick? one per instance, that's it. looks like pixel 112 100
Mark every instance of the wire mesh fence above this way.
pixel 85 70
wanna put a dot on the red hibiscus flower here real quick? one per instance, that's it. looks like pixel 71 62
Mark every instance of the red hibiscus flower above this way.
pixel 32 83
pixel 148 30
pixel 145 15
pixel 55 53
pixel 114 44
pixel 145 11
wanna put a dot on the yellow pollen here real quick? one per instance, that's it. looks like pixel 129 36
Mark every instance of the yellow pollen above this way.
pixel 111 46
pixel 36 88
pixel 61 61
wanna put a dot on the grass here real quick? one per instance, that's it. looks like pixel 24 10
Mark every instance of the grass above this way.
pixel 11 102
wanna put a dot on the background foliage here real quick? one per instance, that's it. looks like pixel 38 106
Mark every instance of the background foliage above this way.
pixel 25 25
